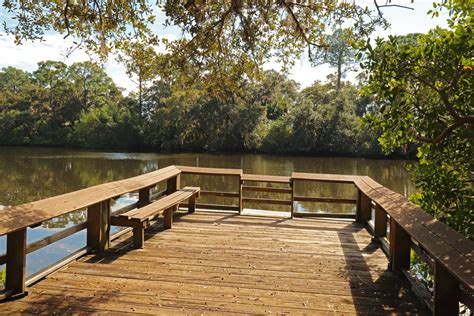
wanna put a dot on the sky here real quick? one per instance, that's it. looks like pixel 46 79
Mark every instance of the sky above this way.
pixel 54 47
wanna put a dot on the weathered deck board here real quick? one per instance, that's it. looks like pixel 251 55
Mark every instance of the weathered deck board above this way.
pixel 217 263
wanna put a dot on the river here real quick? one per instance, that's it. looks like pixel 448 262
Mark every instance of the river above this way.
pixel 28 174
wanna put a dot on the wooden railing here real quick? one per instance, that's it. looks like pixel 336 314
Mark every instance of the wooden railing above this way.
pixel 398 224
pixel 403 227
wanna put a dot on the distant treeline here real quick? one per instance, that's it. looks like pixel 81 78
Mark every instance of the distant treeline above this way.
pixel 79 105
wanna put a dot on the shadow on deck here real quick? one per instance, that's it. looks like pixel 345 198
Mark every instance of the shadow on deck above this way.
pixel 218 263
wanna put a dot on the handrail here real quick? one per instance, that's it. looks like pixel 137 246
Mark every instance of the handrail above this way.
pixel 33 214
pixel 14 221
pixel 412 228
pixel 450 253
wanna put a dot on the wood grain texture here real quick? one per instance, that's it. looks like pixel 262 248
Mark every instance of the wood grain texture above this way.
pixel 444 244
pixel 265 178
pixel 323 177
pixel 221 263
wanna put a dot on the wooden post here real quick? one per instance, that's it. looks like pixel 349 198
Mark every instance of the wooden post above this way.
pixel 138 236
pixel 16 261
pixel 400 242
pixel 240 195
pixel 364 206
pixel 446 292
pixel 172 185
pixel 168 217
pixel 292 185
pixel 143 197
pixel 380 224
pixel 98 226
pixel 192 204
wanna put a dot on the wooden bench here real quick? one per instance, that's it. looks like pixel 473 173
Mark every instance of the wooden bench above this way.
pixel 140 218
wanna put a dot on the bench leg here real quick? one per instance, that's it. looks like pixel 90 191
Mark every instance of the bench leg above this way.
pixel 138 236
pixel 192 204
pixel 168 217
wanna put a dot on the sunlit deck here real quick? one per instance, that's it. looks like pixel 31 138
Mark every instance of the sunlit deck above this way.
pixel 233 261
pixel 213 262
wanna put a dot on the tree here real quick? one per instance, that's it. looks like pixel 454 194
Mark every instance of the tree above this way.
pixel 424 88
pixel 140 61
pixel 223 41
pixel 338 54
pixel 110 126
pixel 92 87
pixel 273 91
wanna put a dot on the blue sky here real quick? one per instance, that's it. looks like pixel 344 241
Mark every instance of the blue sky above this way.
pixel 54 47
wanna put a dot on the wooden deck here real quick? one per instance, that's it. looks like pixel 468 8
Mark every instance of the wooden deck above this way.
pixel 217 263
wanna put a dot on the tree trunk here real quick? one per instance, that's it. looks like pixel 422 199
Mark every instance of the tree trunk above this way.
pixel 339 75
pixel 140 100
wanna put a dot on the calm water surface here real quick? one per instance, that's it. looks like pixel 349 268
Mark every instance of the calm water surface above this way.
pixel 29 174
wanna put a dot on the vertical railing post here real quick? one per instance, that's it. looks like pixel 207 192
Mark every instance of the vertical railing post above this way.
pixel 380 222
pixel 172 184
pixel 446 292
pixel 363 212
pixel 16 262
pixel 240 194
pixel 400 245
pixel 143 197
pixel 292 185
pixel 98 226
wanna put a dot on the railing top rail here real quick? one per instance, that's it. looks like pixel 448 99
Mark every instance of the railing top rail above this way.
pixel 265 178
pixel 324 177
pixel 444 244
pixel 210 171
pixel 31 214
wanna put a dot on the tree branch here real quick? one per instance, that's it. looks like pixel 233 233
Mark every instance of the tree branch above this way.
pixel 66 19
pixel 299 26
pixel 442 94
pixel 378 7
pixel 448 130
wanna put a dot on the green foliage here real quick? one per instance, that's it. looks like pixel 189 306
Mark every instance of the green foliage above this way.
pixel 338 53
pixel 423 86
pixel 80 105
pixel 42 108
pixel 3 276
pixel 222 42
pixel 110 126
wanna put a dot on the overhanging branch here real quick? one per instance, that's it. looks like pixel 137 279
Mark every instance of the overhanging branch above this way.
pixel 387 5
pixel 465 120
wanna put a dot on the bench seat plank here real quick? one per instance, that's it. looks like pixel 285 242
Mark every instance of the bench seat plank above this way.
pixel 162 204
pixel 140 217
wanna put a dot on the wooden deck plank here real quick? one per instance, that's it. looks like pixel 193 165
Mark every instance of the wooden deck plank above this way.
pixel 219 264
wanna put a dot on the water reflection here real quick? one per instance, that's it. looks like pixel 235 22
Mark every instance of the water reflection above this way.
pixel 29 174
